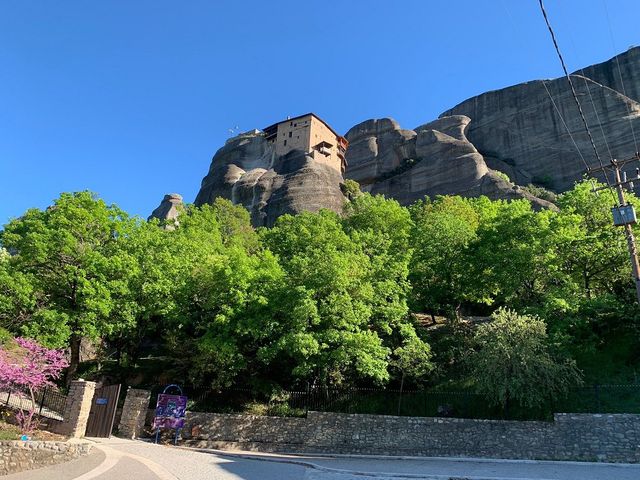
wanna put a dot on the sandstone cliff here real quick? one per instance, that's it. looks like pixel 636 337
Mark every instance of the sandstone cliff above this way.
pixel 515 131
pixel 518 130
pixel 247 171
pixel 434 159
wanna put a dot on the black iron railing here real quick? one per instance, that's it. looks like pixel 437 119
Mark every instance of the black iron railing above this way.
pixel 49 402
pixel 419 403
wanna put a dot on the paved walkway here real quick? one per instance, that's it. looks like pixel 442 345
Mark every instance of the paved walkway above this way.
pixel 114 459
pixel 117 459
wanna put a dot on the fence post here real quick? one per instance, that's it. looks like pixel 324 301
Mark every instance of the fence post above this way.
pixel 8 397
pixel 424 404
pixel 596 391
pixel 307 400
pixel 44 392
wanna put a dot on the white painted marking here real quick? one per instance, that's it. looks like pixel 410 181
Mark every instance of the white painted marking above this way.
pixel 112 457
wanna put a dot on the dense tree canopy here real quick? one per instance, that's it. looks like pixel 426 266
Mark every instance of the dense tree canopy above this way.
pixel 320 298
pixel 67 270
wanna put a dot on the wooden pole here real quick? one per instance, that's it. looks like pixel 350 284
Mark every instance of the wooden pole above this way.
pixel 628 230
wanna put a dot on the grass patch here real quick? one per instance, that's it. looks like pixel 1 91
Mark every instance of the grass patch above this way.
pixel 8 431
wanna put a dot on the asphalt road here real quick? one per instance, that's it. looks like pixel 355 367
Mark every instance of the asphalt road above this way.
pixel 114 459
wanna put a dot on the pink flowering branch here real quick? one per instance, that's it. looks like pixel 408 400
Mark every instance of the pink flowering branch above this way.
pixel 26 367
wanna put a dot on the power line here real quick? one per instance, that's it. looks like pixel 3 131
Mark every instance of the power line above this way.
pixel 573 90
pixel 623 213
pixel 587 82
pixel 595 111
pixel 613 44
pixel 555 106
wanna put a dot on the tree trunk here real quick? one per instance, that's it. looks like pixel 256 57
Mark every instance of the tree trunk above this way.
pixel 587 284
pixel 74 361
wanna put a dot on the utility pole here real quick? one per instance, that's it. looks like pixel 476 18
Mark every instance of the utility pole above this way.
pixel 624 214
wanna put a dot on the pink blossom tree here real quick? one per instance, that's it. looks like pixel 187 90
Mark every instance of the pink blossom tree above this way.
pixel 26 367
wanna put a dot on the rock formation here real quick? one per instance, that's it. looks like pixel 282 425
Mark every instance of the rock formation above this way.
pixel 625 79
pixel 169 208
pixel 518 130
pixel 434 159
pixel 247 171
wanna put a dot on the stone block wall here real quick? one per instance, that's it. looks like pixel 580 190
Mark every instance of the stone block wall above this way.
pixel 16 456
pixel 77 408
pixel 587 437
pixel 134 412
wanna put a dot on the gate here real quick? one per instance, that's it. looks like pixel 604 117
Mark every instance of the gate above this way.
pixel 103 411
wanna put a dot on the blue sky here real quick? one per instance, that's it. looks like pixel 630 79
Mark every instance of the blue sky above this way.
pixel 131 99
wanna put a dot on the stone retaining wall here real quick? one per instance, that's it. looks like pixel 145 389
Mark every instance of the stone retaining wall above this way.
pixel 16 456
pixel 587 437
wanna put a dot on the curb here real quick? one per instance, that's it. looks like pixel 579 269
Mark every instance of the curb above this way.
pixel 294 456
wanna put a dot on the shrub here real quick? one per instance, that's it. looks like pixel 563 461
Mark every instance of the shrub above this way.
pixel 26 367
pixel 514 362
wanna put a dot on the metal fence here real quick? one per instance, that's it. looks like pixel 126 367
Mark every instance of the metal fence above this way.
pixel 419 403
pixel 49 402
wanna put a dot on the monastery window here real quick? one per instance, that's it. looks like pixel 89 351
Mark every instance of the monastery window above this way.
pixel 285 143
pixel 290 133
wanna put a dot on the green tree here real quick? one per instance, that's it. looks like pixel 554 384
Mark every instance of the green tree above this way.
pixel 381 228
pixel 332 338
pixel 17 297
pixel 154 274
pixel 350 189
pixel 442 233
pixel 235 300
pixel 513 259
pixel 222 285
pixel 593 250
pixel 515 362
pixel 412 359
pixel 67 263
pixel 234 223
